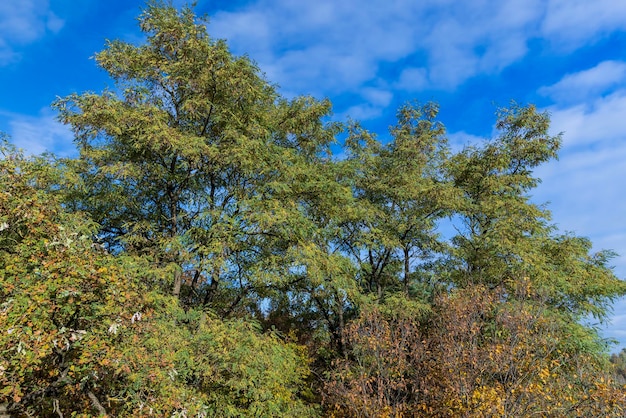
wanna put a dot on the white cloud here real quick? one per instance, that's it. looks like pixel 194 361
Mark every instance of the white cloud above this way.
pixel 379 97
pixel 413 79
pixel 320 46
pixel 371 104
pixel 460 140
pixel 37 134
pixel 585 193
pixel 585 186
pixel 478 37
pixel 23 22
pixel 323 46
pixel 326 45
pixel 361 112
pixel 572 23
pixel 588 83
pixel 594 122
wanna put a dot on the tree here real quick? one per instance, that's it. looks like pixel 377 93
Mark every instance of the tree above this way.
pixel 505 337
pixel 199 163
pixel 88 331
pixel 403 192
pixel 207 255
pixel 505 240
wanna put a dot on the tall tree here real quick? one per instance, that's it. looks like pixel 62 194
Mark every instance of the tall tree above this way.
pixel 197 162
pixel 506 241
pixel 507 332
pixel 402 189
pixel 88 332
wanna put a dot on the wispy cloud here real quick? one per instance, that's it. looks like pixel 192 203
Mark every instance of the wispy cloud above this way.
pixel 483 37
pixel 412 79
pixel 593 122
pixel 37 134
pixel 341 46
pixel 588 83
pixel 460 140
pixel 570 24
pixel 23 22
pixel 329 46
pixel 317 47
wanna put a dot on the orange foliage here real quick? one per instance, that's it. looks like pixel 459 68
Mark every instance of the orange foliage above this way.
pixel 477 355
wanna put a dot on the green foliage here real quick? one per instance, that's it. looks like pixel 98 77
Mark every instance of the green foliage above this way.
pixel 500 224
pixel 402 191
pixel 87 331
pixel 198 163
pixel 206 255
pixel 506 240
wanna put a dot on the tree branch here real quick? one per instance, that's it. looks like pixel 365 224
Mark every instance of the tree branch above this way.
pixel 96 403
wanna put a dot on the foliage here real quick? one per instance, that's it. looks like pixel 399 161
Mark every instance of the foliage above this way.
pixel 402 190
pixel 86 331
pixel 618 362
pixel 199 163
pixel 475 355
pixel 207 255
pixel 505 239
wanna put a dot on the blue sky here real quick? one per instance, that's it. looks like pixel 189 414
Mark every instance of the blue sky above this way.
pixel 370 56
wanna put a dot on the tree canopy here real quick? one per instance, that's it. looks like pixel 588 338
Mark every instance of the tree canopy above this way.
pixel 206 254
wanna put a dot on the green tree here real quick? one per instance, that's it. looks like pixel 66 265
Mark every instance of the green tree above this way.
pixel 505 240
pixel 402 190
pixel 507 332
pixel 86 331
pixel 198 163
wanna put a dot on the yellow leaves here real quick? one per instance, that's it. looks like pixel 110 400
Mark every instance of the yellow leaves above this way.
pixel 544 374
pixel 466 369
pixel 486 401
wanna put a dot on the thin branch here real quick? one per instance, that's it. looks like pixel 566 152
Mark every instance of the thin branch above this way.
pixel 96 403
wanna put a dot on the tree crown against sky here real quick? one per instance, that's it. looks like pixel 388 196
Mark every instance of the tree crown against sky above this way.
pixel 207 254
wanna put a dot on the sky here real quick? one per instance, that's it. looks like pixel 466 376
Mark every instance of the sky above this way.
pixel 369 57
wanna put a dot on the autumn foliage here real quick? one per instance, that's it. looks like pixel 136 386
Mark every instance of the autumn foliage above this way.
pixel 473 355
pixel 206 254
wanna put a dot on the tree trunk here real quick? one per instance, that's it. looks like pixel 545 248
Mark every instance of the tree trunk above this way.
pixel 406 270
pixel 178 282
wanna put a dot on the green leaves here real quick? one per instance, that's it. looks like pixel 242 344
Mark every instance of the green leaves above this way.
pixel 507 239
pixel 207 255
pixel 84 330
pixel 402 192
pixel 200 162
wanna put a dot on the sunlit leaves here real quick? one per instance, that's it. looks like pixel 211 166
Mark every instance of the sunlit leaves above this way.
pixel 83 330
pixel 207 255
pixel 474 355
